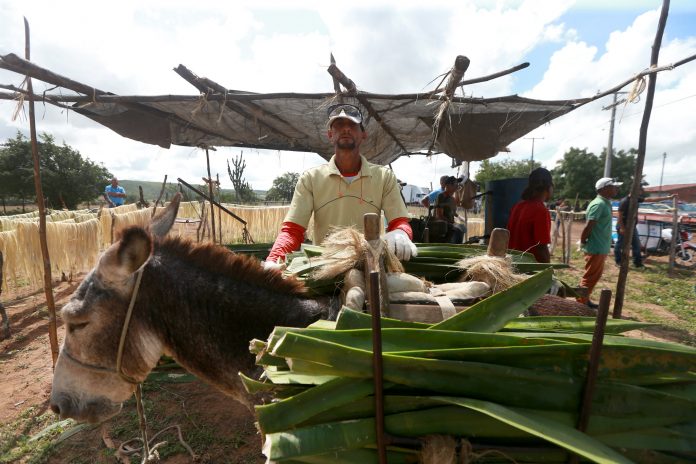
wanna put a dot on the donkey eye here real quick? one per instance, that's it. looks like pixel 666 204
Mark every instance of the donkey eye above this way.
pixel 74 327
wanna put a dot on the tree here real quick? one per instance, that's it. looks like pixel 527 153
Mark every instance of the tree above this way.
pixel 283 187
pixel 505 169
pixel 242 189
pixel 576 174
pixel 578 171
pixel 67 178
pixel 623 165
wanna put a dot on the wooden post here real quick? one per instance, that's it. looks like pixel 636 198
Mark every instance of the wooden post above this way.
pixel 377 370
pixel 143 203
pixel 593 364
pixel 5 320
pixel 210 192
pixel 217 176
pixel 563 236
pixel 48 286
pixel 376 263
pixel 675 234
pixel 557 223
pixel 569 235
pixel 640 160
pixel 498 243
pixel 159 197
pixel 461 64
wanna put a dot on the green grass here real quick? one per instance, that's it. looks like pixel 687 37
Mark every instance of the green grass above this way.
pixel 646 288
pixel 15 437
pixel 675 293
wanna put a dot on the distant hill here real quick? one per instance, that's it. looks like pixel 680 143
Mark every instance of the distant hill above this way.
pixel 151 190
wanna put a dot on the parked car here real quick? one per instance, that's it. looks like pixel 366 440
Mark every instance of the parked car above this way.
pixel 654 208
pixel 686 209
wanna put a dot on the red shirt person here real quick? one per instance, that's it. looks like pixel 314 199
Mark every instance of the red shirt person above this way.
pixel 530 221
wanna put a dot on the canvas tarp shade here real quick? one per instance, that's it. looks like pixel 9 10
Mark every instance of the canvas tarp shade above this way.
pixel 469 131
pixel 472 129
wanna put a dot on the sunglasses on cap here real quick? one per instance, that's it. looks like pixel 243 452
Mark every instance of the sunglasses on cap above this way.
pixel 344 110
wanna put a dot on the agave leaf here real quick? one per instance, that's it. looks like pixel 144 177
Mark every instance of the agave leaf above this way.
pixel 542 427
pixel 494 312
pixel 572 323
pixel 285 414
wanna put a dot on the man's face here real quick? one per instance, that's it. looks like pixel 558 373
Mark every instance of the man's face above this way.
pixel 450 188
pixel 114 182
pixel 346 135
pixel 610 191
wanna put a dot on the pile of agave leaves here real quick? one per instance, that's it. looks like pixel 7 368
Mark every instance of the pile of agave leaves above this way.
pixel 508 387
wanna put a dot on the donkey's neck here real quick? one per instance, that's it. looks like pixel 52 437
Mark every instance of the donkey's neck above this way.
pixel 205 317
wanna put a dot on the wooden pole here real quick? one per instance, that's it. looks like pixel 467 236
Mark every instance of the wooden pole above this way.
pixel 219 218
pixel 159 197
pixel 569 235
pixel 3 314
pixel 461 64
pixel 376 284
pixel 675 235
pixel 48 286
pixel 191 187
pixel 376 263
pixel 640 160
pixel 498 243
pixel 336 84
pixel 350 86
pixel 210 192
pixel 593 364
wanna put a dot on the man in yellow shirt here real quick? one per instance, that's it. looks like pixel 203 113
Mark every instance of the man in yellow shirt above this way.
pixel 340 192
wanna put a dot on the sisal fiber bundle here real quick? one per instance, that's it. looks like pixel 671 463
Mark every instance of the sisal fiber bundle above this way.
pixel 139 217
pixel 72 248
pixel 345 249
pixel 8 247
pixel 497 272
pixel 263 222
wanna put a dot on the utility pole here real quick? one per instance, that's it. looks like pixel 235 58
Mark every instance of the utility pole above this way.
pixel 533 139
pixel 610 144
pixel 664 156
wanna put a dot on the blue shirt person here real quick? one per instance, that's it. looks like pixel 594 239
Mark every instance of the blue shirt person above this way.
pixel 429 199
pixel 114 193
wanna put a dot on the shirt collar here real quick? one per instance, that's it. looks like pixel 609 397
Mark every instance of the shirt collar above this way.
pixel 364 169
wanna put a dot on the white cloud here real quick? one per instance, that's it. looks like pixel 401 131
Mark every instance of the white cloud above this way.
pixel 577 70
pixel 130 48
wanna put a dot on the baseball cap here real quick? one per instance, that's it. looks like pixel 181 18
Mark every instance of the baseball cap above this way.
pixel 606 182
pixel 451 180
pixel 344 110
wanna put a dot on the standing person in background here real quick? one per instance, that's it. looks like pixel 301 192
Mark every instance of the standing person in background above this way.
pixel 446 210
pixel 621 229
pixel 115 194
pixel 530 220
pixel 596 236
pixel 340 192
pixel 432 196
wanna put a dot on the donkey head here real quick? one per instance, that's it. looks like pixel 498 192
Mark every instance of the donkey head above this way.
pixel 86 386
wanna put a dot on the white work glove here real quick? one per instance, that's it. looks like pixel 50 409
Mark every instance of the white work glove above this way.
pixel 271 266
pixel 402 246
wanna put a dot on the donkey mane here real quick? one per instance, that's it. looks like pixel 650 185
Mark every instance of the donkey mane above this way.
pixel 236 266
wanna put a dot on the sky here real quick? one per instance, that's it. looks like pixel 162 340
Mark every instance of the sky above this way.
pixel 576 48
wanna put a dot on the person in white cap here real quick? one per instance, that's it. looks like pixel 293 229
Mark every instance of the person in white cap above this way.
pixel 340 192
pixel 596 236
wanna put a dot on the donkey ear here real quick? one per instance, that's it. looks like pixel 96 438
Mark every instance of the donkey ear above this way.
pixel 134 249
pixel 163 222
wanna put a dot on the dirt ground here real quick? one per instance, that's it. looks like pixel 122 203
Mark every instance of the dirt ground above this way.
pixel 217 428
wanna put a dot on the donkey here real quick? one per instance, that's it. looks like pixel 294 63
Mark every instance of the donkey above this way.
pixel 200 304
